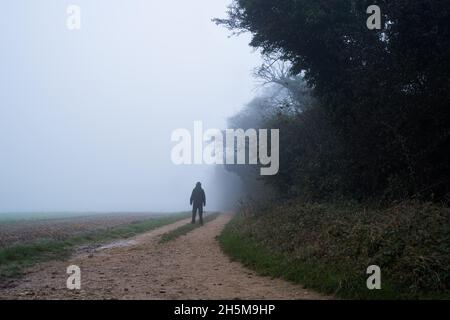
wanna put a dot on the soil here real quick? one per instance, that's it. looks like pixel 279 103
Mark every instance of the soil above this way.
pixel 28 230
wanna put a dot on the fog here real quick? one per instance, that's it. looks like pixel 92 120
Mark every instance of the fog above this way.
pixel 86 115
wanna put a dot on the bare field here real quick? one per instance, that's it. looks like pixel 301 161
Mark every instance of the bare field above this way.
pixel 14 231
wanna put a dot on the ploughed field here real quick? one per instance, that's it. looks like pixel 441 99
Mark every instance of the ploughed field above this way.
pixel 29 228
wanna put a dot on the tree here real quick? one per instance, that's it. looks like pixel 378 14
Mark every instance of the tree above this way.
pixel 381 96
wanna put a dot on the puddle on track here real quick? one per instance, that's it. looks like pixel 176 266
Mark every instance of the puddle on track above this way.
pixel 118 244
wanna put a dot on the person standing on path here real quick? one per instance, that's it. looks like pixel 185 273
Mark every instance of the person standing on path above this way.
pixel 198 201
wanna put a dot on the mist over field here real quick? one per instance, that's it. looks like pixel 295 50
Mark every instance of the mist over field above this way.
pixel 86 116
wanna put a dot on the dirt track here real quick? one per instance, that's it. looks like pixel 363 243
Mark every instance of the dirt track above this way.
pixel 190 267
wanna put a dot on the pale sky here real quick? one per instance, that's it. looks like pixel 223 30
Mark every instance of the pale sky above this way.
pixel 86 116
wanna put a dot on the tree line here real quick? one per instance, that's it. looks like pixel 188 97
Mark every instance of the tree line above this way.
pixel 363 114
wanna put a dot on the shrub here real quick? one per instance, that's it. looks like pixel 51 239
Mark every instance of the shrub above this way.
pixel 329 247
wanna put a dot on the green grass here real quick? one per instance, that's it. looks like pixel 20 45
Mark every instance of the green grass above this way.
pixel 14 259
pixel 252 254
pixel 185 229
pixel 270 248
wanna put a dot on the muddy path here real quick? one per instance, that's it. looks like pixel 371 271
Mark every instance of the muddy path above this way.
pixel 190 267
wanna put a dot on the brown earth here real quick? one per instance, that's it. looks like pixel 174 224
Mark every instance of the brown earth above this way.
pixel 28 230
pixel 189 267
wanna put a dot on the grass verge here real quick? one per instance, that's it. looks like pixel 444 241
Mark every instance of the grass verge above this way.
pixel 185 229
pixel 329 249
pixel 14 259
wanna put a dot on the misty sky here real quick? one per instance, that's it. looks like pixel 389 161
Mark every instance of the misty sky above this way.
pixel 86 116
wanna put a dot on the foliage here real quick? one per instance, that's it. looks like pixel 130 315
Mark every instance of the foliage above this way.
pixel 378 126
pixel 364 117
pixel 297 241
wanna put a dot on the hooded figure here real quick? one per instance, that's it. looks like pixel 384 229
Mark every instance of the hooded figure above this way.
pixel 198 200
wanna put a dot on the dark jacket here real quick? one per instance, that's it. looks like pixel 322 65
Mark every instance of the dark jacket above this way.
pixel 198 197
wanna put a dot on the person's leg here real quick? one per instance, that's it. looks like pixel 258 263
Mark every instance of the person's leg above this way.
pixel 194 213
pixel 200 214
